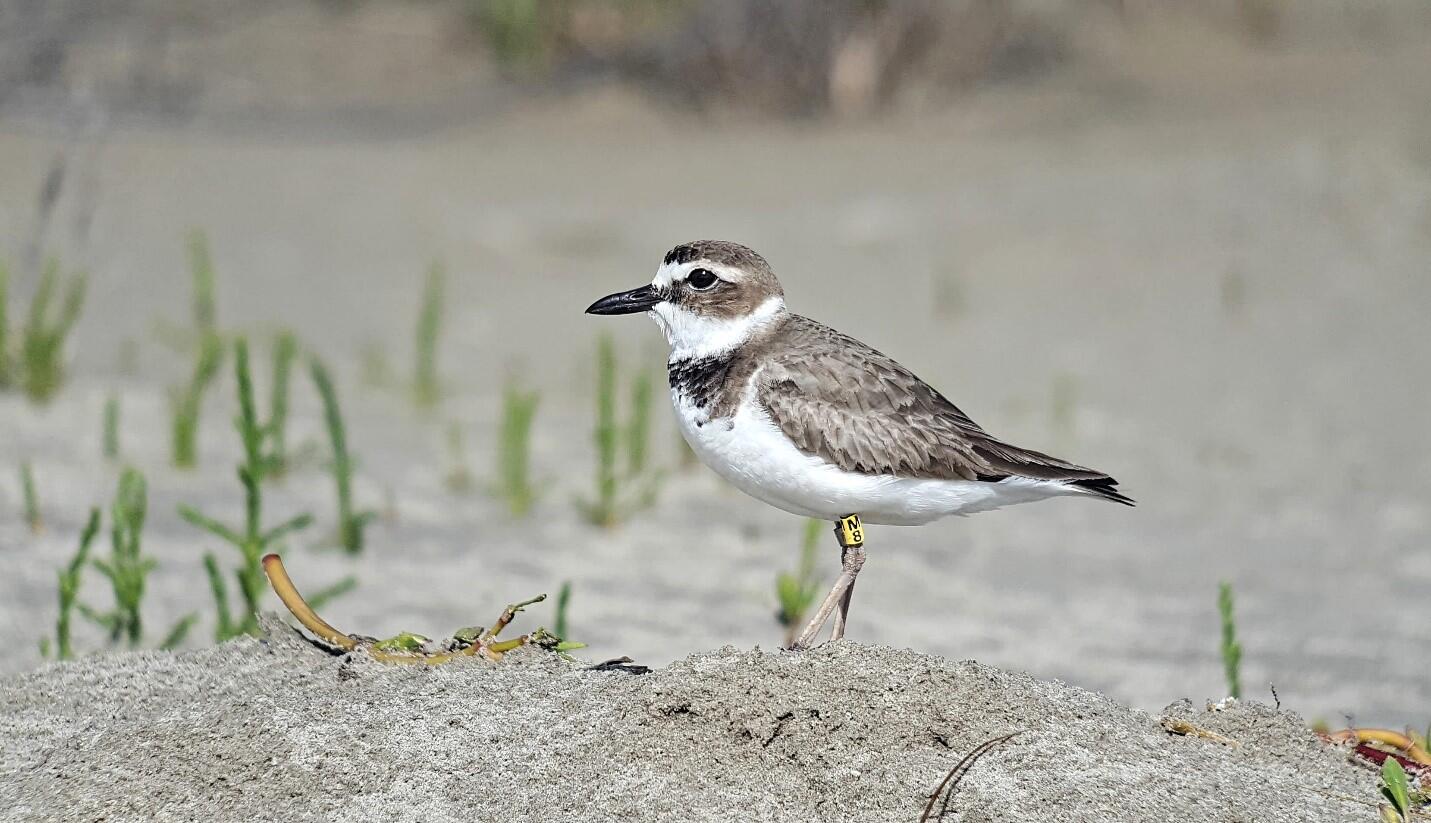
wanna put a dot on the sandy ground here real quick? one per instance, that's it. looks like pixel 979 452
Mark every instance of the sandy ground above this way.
pixel 1206 275
pixel 279 730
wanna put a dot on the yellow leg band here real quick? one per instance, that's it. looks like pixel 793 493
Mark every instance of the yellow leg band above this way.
pixel 850 531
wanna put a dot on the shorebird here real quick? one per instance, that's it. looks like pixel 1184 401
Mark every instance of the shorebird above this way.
pixel 818 424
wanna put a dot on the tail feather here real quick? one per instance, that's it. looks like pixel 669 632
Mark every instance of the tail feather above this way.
pixel 1104 487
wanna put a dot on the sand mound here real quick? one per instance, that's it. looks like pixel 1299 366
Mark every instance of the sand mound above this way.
pixel 276 729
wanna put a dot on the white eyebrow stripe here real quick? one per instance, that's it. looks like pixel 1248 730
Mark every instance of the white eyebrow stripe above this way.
pixel 670 273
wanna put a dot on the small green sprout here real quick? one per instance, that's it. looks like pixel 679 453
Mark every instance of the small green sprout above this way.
pixel 1231 649
pixel 402 642
pixel 33 518
pixel 1396 788
pixel 127 569
pixel 69 587
pixel 350 523
pixel 201 266
pixel 42 341
pixel 563 603
pixel 796 591
pixel 253 541
pixel 187 402
pixel 615 496
pixel 285 350
pixel 514 449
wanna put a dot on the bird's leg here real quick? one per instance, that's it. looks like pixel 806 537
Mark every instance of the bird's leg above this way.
pixel 843 612
pixel 851 535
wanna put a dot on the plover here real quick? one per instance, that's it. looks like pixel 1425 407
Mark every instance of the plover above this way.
pixel 817 423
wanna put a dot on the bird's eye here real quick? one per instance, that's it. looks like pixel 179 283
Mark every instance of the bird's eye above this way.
pixel 702 279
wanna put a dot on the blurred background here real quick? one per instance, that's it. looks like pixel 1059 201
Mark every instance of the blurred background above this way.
pixel 1184 242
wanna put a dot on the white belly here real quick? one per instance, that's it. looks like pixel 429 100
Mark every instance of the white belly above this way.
pixel 751 452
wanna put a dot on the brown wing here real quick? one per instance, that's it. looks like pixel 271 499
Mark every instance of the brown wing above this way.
pixel 849 404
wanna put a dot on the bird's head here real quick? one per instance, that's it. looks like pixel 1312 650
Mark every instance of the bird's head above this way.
pixel 708 297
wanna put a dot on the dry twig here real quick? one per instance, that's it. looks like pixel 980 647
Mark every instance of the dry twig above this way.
pixel 485 644
pixel 960 769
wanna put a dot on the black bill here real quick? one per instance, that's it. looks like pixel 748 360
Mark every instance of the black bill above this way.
pixel 626 302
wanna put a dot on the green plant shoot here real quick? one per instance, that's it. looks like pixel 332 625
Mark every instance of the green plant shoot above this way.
pixel 69 587
pixel 514 449
pixel 252 541
pixel 285 350
pixel 563 602
pixel 33 518
pixel 127 569
pixel 619 492
pixel 1395 787
pixel 350 523
pixel 796 591
pixel 1231 649
pixel 187 402
pixel 201 266
pixel 42 342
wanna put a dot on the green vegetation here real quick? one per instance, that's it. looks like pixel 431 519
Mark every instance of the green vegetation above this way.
pixel 427 388
pixel 127 569
pixel 638 430
pixel 529 38
pixel 203 300
pixel 350 523
pixel 187 401
pixel 201 265
pixel 111 426
pixel 33 518
pixel 796 591
pixel 285 350
pixel 563 602
pixel 252 541
pixel 1231 649
pixel 620 489
pixel 40 368
pixel 519 32
pixel 514 449
pixel 69 587
pixel 1403 799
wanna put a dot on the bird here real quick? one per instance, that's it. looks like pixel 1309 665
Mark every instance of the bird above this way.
pixel 819 424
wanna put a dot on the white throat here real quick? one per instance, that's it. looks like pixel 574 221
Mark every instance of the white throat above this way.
pixel 694 336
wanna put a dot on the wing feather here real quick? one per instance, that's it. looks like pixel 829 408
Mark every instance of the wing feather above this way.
pixel 860 410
